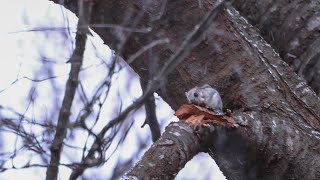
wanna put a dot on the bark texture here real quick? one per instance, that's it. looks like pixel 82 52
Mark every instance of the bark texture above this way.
pixel 279 112
pixel 292 27
pixel 177 145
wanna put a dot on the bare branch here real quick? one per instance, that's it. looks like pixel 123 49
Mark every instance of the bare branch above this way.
pixel 151 117
pixel 113 26
pixel 146 48
pixel 72 83
pixel 191 41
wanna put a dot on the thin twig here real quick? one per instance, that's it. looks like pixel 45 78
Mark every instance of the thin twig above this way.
pixel 151 116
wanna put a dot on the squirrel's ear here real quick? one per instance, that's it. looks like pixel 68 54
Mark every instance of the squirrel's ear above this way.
pixel 186 93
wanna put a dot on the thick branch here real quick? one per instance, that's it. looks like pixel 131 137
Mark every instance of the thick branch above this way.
pixel 292 27
pixel 168 155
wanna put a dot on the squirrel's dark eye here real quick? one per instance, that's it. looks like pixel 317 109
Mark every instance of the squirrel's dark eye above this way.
pixel 195 94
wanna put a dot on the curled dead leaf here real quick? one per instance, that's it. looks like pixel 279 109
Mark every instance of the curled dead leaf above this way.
pixel 196 115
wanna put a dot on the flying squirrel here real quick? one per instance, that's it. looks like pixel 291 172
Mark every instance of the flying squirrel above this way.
pixel 206 96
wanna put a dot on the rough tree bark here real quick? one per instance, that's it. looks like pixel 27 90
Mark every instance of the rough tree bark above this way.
pixel 168 155
pixel 280 113
pixel 292 27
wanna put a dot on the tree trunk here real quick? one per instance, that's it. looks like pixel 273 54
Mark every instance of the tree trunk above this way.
pixel 279 112
pixel 292 27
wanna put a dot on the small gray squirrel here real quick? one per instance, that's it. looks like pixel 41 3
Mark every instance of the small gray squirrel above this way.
pixel 206 96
